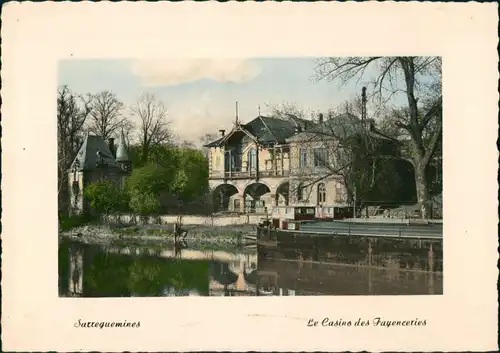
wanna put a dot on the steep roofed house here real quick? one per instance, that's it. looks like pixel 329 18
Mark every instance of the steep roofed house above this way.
pixel 250 165
pixel 274 162
pixel 319 160
pixel 96 160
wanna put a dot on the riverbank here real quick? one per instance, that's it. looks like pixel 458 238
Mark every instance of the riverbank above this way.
pixel 204 236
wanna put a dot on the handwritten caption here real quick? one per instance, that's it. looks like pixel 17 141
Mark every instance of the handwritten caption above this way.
pixel 360 322
pixel 107 324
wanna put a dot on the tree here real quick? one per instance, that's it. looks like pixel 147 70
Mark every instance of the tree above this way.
pixel 152 179
pixel 105 114
pixel 144 203
pixel 129 129
pixel 286 110
pixel 154 128
pixel 192 174
pixel 352 153
pixel 206 139
pixel 72 113
pixel 419 80
pixel 106 197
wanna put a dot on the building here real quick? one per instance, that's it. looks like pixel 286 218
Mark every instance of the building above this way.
pixel 274 162
pixel 96 160
pixel 249 167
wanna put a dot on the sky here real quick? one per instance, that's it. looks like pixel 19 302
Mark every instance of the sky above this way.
pixel 201 94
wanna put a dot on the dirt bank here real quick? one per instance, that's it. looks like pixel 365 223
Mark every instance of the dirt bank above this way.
pixel 156 234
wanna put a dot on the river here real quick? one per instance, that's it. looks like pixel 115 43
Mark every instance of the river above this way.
pixel 132 271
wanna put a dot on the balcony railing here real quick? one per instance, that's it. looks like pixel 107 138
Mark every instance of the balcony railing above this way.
pixel 248 174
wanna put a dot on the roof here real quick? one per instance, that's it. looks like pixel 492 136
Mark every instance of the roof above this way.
pixel 341 126
pixel 214 143
pixel 268 130
pixel 265 129
pixel 86 158
pixel 121 152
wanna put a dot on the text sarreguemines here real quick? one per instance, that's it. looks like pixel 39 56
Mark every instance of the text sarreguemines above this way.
pixel 107 324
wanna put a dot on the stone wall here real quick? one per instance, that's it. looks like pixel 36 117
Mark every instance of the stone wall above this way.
pixel 200 220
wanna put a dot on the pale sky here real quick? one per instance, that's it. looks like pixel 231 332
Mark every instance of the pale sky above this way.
pixel 200 94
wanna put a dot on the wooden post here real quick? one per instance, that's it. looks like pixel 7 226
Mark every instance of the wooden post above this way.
pixel 275 164
pixel 281 158
pixel 256 162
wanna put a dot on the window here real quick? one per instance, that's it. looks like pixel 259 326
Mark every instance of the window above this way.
pixel 252 159
pixel 339 192
pixel 217 162
pixel 227 161
pixel 321 193
pixel 320 157
pixel 303 158
pixel 300 192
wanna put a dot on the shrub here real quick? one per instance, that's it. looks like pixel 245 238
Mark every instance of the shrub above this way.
pixel 69 222
pixel 144 203
pixel 106 197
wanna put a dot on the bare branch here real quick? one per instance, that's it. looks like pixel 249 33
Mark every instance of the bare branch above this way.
pixel 105 114
pixel 154 127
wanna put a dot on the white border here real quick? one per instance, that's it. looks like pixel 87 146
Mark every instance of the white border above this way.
pixel 36 35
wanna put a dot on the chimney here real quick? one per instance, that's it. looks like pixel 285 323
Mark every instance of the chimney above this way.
pixel 222 132
pixel 320 118
pixel 111 145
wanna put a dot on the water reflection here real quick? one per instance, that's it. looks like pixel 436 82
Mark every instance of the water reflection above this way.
pixel 128 271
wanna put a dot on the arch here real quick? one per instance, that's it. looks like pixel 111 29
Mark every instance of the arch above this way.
pixel 283 194
pixel 255 198
pixel 221 196
pixel 321 194
pixel 252 182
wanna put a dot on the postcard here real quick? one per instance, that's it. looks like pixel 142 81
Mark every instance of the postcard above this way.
pixel 249 176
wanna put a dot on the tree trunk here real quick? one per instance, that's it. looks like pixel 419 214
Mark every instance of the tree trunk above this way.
pixel 63 197
pixel 145 153
pixel 423 197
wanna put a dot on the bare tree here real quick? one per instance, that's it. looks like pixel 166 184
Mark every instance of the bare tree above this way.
pixel 154 128
pixel 334 149
pixel 205 139
pixel 349 153
pixel 419 80
pixel 129 129
pixel 72 113
pixel 286 111
pixel 105 117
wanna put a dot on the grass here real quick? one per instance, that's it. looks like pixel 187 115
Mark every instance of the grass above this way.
pixel 69 222
pixel 127 230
